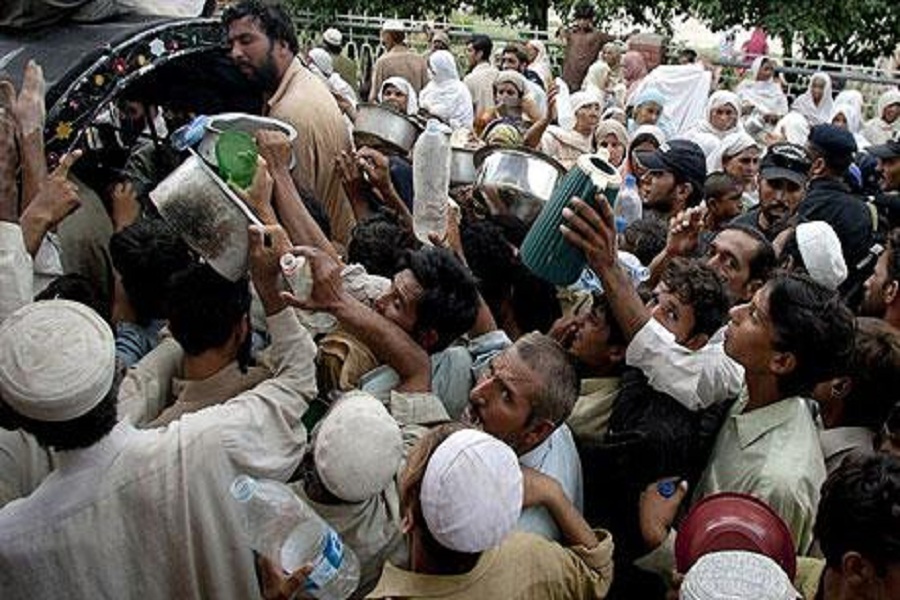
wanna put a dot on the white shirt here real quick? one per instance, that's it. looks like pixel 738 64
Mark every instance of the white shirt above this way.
pixel 695 378
pixel 557 457
pixel 147 513
pixel 16 283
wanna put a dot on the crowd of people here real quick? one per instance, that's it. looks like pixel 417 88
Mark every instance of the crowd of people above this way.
pixel 469 429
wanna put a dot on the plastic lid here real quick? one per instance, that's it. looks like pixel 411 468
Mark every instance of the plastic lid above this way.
pixel 433 126
pixel 243 487
pixel 289 261
pixel 630 179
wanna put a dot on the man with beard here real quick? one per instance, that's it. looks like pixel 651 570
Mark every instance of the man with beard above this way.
pixel 882 288
pixel 264 47
pixel 782 186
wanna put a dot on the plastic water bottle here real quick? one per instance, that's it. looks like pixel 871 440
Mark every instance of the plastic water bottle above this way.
pixel 284 529
pixel 629 207
pixel 431 182
pixel 565 116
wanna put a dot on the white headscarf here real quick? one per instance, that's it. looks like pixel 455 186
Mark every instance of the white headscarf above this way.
pixel 718 99
pixel 854 122
pixel 412 101
pixel 852 97
pixel 541 62
pixel 732 145
pixel 877 130
pixel 766 96
pixel 794 128
pixel 445 96
pixel 815 114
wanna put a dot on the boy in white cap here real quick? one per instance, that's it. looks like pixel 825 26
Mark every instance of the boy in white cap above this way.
pixel 141 511
pixel 461 494
pixel 398 60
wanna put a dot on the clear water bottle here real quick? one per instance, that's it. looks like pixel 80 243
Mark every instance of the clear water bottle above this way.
pixel 431 182
pixel 287 531
pixel 565 116
pixel 629 206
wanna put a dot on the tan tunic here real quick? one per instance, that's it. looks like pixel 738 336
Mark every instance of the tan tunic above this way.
pixel 303 100
pixel 481 85
pixel 399 61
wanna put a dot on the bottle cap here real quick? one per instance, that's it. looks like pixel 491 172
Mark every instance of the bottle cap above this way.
pixel 243 487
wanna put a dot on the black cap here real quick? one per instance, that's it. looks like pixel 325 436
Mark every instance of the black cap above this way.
pixel 833 140
pixel 786 161
pixel 681 157
pixel 891 149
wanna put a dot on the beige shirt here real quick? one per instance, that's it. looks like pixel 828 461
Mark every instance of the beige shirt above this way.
pixel 589 420
pixel 524 566
pixel 303 100
pixel 146 513
pixel 480 82
pixel 399 61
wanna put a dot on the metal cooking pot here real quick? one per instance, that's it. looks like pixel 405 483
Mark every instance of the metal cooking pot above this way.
pixel 382 127
pixel 207 214
pixel 462 166
pixel 239 122
pixel 516 181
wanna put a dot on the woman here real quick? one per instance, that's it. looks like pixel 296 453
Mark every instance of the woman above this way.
pixel 887 119
pixel 606 72
pixel 566 145
pixel 510 104
pixel 634 69
pixel 645 138
pixel 540 61
pixel 399 94
pixel 816 103
pixel 793 128
pixel 762 90
pixel 846 116
pixel 611 136
pixel 647 109
pixel 738 156
pixel 445 96
pixel 723 111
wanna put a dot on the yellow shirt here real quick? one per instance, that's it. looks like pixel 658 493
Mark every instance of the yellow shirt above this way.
pixel 524 566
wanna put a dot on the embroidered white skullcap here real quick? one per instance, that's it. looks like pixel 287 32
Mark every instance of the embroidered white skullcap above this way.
pixel 472 492
pixel 821 251
pixel 358 447
pixel 332 37
pixel 57 360
pixel 393 25
pixel 736 575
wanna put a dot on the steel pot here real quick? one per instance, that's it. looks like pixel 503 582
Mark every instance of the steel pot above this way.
pixel 462 166
pixel 384 128
pixel 239 122
pixel 516 181
pixel 207 214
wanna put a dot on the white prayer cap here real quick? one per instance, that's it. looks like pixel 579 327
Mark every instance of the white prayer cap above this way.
pixel 736 575
pixel 393 25
pixel 322 60
pixel 821 251
pixel 332 37
pixel 57 360
pixel 358 447
pixel 472 492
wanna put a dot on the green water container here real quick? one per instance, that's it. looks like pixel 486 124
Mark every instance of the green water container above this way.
pixel 545 251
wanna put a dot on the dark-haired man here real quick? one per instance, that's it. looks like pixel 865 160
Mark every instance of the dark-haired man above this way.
pixel 674 178
pixel 583 43
pixel 482 74
pixel 882 289
pixel 264 47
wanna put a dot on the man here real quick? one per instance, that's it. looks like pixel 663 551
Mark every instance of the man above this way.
pixel 482 74
pixel 264 47
pixel 783 173
pixel 888 156
pixel 583 44
pixel 829 199
pixel 881 297
pixel 119 491
pixel 398 60
pixel 514 58
pixel 674 179
pixel 461 494
pixel 333 42
pixel 858 529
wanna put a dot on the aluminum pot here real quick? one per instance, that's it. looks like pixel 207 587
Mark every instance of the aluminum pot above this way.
pixel 516 181
pixel 384 128
pixel 213 221
pixel 239 122
pixel 462 166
